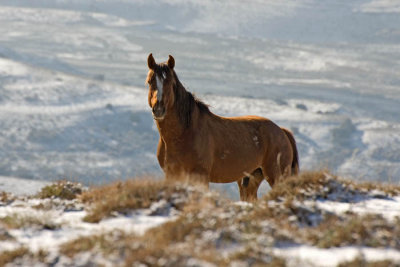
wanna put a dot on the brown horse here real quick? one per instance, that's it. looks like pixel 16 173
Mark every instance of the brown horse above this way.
pixel 198 144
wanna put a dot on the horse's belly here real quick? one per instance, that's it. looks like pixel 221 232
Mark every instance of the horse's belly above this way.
pixel 233 162
pixel 226 172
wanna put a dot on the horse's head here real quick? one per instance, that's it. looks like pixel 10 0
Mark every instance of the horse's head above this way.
pixel 161 81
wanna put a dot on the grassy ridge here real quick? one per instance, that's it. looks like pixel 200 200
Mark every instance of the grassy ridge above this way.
pixel 216 231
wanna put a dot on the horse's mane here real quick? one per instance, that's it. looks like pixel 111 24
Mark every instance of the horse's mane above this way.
pixel 185 103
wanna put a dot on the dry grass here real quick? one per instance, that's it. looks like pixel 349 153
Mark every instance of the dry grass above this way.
pixel 173 241
pixel 296 186
pixel 352 229
pixel 41 255
pixel 128 248
pixel 23 257
pixel 6 197
pixel 209 224
pixel 388 189
pixel 359 262
pixel 320 184
pixel 61 189
pixel 15 221
pixel 123 197
pixel 104 243
pixel 204 228
pixel 288 221
pixel 5 235
pixel 253 257
pixel 156 247
pixel 184 240
pixel 283 207
pixel 10 255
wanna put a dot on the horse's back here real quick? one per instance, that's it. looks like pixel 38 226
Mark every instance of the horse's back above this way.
pixel 263 127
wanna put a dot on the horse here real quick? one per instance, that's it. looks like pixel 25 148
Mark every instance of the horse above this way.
pixel 196 143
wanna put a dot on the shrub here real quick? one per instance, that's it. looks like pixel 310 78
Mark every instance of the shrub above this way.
pixel 62 189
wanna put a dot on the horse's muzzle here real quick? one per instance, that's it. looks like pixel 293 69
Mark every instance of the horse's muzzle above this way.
pixel 158 112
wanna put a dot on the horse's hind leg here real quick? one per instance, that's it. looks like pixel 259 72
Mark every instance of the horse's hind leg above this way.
pixel 242 184
pixel 276 169
pixel 248 186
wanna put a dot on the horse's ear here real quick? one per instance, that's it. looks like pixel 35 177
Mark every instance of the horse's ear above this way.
pixel 171 62
pixel 151 62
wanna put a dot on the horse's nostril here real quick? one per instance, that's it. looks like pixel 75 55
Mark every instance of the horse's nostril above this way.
pixel 158 110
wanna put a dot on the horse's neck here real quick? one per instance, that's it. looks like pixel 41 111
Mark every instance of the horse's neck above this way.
pixel 171 128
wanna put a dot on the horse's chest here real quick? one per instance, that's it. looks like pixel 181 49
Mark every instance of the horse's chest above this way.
pixel 180 157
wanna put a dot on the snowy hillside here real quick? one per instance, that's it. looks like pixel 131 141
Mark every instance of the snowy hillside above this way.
pixel 312 220
pixel 73 101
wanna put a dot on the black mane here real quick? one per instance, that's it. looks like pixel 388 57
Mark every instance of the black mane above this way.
pixel 185 103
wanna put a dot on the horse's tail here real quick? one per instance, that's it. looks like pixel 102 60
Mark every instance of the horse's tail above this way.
pixel 295 162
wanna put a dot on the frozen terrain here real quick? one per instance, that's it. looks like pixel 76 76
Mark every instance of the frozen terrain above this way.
pixel 322 221
pixel 73 102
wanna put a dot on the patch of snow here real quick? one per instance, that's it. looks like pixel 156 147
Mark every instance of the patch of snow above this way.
pixel 19 187
pixel 380 6
pixel 389 208
pixel 305 58
pixel 9 67
pixel 69 226
pixel 243 204
pixel 304 255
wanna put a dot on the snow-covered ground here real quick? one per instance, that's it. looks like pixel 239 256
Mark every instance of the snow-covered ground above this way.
pixel 73 101
pixel 312 256
pixel 68 223
pixel 45 226
pixel 21 187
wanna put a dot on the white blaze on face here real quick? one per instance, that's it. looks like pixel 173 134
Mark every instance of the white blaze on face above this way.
pixel 160 83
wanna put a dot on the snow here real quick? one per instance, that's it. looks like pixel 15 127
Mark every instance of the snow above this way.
pixel 375 203
pixel 381 6
pixel 69 225
pixel 389 208
pixel 20 186
pixel 51 240
pixel 311 256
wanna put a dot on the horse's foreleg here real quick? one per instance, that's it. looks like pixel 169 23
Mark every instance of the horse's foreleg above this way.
pixel 161 153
